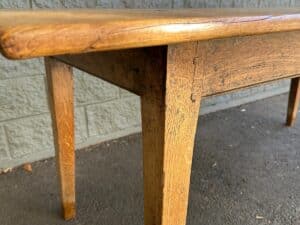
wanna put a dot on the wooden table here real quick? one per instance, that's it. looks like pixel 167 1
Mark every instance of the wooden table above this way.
pixel 171 58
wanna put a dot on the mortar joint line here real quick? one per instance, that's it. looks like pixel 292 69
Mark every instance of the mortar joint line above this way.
pixel 86 122
pixel 6 143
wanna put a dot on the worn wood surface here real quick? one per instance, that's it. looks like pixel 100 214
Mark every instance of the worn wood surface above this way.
pixel 170 78
pixel 169 117
pixel 60 88
pixel 25 34
pixel 238 62
pixel 227 64
pixel 293 104
pixel 124 68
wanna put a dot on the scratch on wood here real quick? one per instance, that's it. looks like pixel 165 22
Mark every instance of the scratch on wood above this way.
pixel 195 62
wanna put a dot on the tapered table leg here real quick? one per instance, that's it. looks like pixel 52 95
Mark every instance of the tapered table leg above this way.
pixel 294 98
pixel 60 88
pixel 170 107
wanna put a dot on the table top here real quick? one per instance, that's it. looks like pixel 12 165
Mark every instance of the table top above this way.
pixel 33 33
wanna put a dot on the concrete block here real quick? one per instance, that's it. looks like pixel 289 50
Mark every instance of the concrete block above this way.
pixel 34 134
pixel 47 4
pixel 195 4
pixel 22 97
pixel 5 4
pixel 157 4
pixel 3 146
pixel 274 3
pixel 11 69
pixel 81 132
pixel 232 99
pixel 275 85
pixel 227 3
pixel 63 3
pixel 113 116
pixel 90 89
pixel 134 4
pixel 30 135
pixel 104 4
pixel 295 3
pixel 178 4
pixel 246 3
pixel 115 4
pixel 79 3
pixel 124 93
pixel 212 3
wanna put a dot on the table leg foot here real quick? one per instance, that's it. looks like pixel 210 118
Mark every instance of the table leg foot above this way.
pixel 294 98
pixel 69 210
pixel 60 88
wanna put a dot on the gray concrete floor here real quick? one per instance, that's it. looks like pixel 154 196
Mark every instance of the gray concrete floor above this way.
pixel 245 172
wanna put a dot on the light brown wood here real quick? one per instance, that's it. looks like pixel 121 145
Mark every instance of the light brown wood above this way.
pixel 170 106
pixel 238 62
pixel 60 88
pixel 25 34
pixel 226 49
pixel 293 104
pixel 124 68
pixel 228 64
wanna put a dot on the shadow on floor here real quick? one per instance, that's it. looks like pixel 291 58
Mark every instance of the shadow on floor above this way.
pixel 245 171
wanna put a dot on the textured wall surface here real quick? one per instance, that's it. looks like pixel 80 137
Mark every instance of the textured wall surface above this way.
pixel 103 111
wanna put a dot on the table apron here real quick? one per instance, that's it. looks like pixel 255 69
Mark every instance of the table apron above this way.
pixel 222 64
pixel 239 62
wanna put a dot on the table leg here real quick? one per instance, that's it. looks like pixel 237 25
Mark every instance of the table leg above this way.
pixel 60 88
pixel 294 98
pixel 169 118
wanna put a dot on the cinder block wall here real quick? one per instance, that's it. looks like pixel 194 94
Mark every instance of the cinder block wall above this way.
pixel 103 111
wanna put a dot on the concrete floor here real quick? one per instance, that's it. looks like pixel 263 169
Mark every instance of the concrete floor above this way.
pixel 245 172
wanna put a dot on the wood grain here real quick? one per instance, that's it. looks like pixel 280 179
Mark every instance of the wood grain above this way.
pixel 25 34
pixel 60 88
pixel 293 104
pixel 238 62
pixel 170 107
pixel 227 64
pixel 124 68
